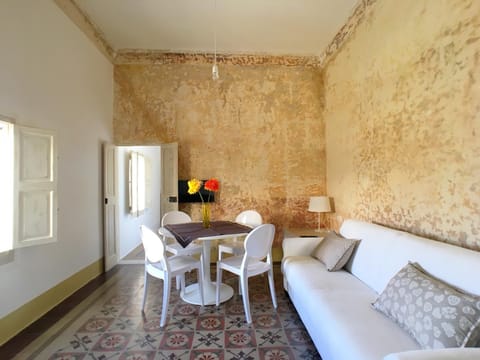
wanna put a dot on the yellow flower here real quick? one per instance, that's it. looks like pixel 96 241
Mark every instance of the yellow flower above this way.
pixel 194 186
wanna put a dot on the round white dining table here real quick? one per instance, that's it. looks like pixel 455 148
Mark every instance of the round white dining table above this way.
pixel 191 294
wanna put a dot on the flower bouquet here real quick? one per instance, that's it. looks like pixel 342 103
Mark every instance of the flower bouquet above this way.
pixel 211 185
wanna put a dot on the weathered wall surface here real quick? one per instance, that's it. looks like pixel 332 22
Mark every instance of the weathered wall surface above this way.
pixel 402 114
pixel 258 130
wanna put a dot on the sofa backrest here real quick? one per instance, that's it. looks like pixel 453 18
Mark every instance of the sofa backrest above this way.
pixel 382 252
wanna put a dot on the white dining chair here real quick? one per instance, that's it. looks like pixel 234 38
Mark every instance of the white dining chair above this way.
pixel 256 260
pixel 172 245
pixel 235 246
pixel 162 267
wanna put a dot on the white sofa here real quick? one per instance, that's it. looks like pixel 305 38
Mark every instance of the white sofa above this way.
pixel 335 307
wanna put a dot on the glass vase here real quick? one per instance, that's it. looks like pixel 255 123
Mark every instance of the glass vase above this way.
pixel 206 215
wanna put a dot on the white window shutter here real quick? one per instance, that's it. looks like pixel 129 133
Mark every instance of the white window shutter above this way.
pixel 35 187
pixel 148 183
pixel 132 184
pixel 137 183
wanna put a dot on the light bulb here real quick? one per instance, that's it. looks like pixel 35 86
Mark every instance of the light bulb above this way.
pixel 215 74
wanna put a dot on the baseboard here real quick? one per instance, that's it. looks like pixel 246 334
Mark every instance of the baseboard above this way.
pixel 131 262
pixel 16 321
pixel 277 254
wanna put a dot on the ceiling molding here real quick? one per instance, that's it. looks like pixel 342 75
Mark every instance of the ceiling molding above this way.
pixel 87 27
pixel 160 57
pixel 134 56
pixel 357 17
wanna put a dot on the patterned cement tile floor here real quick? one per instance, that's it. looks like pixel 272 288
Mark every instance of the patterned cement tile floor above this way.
pixel 109 325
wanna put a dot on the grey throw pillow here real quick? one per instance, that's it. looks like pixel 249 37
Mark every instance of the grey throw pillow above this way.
pixel 334 251
pixel 434 313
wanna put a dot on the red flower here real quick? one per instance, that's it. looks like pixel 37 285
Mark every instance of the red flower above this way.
pixel 212 185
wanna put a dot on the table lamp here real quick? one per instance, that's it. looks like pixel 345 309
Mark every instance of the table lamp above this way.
pixel 320 204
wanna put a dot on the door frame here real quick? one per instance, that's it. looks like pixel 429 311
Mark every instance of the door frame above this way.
pixel 111 245
pixel 110 206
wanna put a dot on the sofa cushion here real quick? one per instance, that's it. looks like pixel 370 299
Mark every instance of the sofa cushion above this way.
pixel 434 313
pixel 306 273
pixel 437 354
pixel 335 306
pixel 336 310
pixel 334 251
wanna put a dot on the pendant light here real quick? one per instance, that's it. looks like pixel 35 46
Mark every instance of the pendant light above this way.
pixel 215 74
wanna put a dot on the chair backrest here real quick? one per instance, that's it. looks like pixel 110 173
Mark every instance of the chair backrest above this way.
pixel 258 243
pixel 153 246
pixel 175 217
pixel 249 217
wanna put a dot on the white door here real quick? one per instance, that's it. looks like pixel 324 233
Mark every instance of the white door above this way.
pixel 168 178
pixel 110 206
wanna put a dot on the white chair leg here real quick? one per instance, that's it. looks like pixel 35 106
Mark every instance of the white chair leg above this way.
pixel 272 288
pixel 178 281
pixel 217 285
pixel 245 298
pixel 182 282
pixel 200 284
pixel 166 300
pixel 237 252
pixel 145 285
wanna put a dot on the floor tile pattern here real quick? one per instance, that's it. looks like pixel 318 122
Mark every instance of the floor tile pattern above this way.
pixel 110 325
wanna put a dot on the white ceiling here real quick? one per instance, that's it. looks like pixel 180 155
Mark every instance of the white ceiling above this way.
pixel 277 27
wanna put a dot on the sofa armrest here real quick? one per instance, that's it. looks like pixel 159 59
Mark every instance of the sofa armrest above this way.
pixel 299 246
pixel 437 354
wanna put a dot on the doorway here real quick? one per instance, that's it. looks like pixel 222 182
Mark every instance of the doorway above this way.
pixel 122 236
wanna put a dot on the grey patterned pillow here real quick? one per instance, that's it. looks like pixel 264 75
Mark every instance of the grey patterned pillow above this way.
pixel 434 313
pixel 334 251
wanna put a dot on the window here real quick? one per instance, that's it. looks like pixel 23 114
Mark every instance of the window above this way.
pixel 6 186
pixel 137 183
pixel 29 186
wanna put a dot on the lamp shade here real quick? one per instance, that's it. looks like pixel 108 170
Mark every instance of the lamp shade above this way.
pixel 319 204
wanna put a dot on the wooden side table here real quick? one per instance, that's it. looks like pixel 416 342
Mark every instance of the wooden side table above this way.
pixel 304 232
pixel 301 241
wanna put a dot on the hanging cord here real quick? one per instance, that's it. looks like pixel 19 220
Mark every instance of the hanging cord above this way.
pixel 215 74
pixel 215 30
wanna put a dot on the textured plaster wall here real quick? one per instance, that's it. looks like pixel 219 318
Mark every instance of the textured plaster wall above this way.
pixel 258 129
pixel 402 114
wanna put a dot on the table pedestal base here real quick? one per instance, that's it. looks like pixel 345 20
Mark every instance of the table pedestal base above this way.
pixel 191 294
